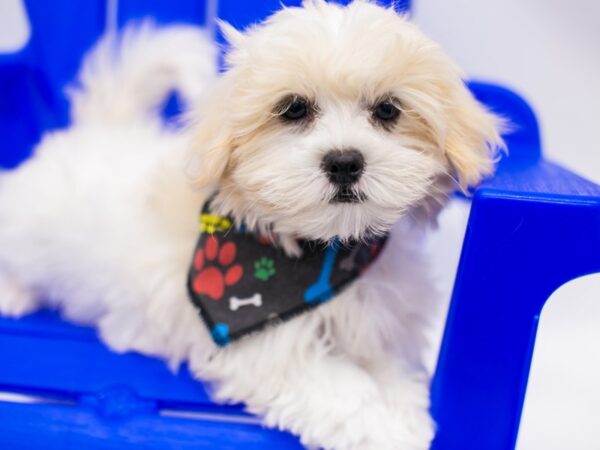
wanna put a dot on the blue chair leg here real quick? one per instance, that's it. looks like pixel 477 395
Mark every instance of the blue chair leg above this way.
pixel 517 252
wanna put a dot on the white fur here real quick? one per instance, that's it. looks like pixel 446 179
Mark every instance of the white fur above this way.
pixel 101 222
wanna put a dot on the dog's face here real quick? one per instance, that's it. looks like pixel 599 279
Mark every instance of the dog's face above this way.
pixel 336 121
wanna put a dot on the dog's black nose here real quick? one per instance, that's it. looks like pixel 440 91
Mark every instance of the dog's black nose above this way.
pixel 343 167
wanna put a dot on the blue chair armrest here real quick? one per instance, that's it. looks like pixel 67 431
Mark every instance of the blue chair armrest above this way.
pixel 542 180
pixel 532 228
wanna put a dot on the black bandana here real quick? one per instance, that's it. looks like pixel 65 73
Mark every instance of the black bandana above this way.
pixel 242 282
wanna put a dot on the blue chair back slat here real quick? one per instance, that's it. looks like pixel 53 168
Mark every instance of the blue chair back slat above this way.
pixel 241 14
pixel 21 124
pixel 523 136
pixel 163 12
pixel 61 33
pixel 33 80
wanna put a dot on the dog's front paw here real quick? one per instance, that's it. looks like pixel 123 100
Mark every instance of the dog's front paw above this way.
pixel 384 429
pixel 15 300
pixel 372 427
pixel 416 431
pixel 408 403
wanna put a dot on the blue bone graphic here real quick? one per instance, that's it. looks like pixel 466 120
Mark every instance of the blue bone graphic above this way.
pixel 321 290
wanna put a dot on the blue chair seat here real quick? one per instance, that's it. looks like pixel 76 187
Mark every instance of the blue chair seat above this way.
pixel 89 397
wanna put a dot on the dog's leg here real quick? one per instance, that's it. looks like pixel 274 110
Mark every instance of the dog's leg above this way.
pixel 390 350
pixel 404 388
pixel 15 300
pixel 308 388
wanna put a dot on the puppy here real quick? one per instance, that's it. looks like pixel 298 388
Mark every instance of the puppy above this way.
pixel 102 221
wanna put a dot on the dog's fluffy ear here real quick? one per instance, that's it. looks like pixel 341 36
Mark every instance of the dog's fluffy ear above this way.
pixel 212 140
pixel 472 138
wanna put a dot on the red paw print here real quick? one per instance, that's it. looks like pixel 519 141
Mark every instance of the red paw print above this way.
pixel 211 280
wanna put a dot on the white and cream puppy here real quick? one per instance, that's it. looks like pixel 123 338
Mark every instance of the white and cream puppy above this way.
pixel 330 122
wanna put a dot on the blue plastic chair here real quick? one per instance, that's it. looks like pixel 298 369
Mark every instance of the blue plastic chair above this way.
pixel 533 227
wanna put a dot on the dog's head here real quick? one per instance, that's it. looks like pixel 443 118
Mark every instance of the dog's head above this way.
pixel 336 121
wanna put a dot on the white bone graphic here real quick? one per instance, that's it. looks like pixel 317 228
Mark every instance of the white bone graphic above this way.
pixel 236 303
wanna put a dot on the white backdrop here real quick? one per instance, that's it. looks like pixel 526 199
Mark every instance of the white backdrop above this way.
pixel 549 51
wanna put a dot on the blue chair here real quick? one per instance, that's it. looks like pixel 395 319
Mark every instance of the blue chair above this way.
pixel 533 227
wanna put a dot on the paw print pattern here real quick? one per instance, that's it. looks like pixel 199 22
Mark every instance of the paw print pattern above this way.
pixel 210 223
pixel 215 271
pixel 264 268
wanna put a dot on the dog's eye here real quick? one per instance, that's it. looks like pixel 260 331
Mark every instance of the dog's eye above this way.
pixel 297 110
pixel 386 111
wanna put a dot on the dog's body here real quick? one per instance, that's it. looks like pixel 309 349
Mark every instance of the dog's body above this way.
pixel 101 223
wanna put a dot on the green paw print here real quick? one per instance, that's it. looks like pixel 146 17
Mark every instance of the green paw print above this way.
pixel 264 269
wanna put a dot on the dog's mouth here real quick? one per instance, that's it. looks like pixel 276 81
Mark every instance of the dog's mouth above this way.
pixel 346 194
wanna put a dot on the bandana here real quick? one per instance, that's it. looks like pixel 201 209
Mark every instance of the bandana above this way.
pixel 241 282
